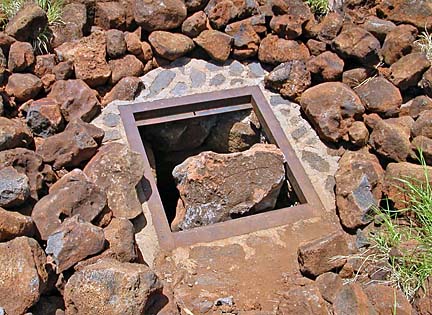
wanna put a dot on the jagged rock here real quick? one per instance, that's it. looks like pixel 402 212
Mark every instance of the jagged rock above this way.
pixel 327 29
pixel 424 145
pixel 44 117
pixel 213 194
pixel 63 70
pixel 120 235
pixel 127 66
pixel 73 241
pixel 75 24
pixel 92 290
pixel 290 79
pixel 316 47
pixel 220 13
pixel 426 82
pixel 423 125
pixel 246 40
pixel 27 23
pixel 378 95
pixel 125 90
pixel 355 42
pixel 302 300
pixel 23 86
pixel 22 274
pixel 289 19
pixel 398 43
pixel 216 44
pixel 78 143
pixel 110 15
pixel 195 24
pixel 318 256
pixel 90 60
pixel 14 188
pixel 351 299
pixel 159 14
pixel 234 132
pixel 170 45
pixel 117 171
pixel 326 66
pixel 358 134
pixel 397 191
pixel 14 134
pixel 78 195
pixel 391 138
pixel 14 224
pixel 76 99
pixel 21 57
pixel 274 50
pixel 116 44
pixel 408 70
pixel 423 298
pixel 44 64
pixel 415 106
pixel 387 300
pixel 378 27
pixel 359 182
pixel 26 162
pixel 354 77
pixel 332 107
pixel 329 284
pixel 195 5
pixel 417 13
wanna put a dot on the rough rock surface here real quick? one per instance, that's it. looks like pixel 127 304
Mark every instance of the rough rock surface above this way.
pixel 418 13
pixel 358 187
pixel 216 44
pixel 13 134
pixel 398 43
pixel 170 45
pixel 22 267
pixel 21 57
pixel 195 24
pixel 326 66
pixel 332 107
pixel 415 106
pixel 125 90
pixel 318 256
pixel 92 290
pixel 78 196
pixel 408 70
pixel 159 14
pixel 120 235
pixel 23 86
pixel 274 50
pixel 13 224
pixel 124 67
pixel 116 44
pixel 74 241
pixel 302 300
pixel 212 189
pixel 44 117
pixel 423 125
pixel 386 300
pixel 117 171
pixel 14 187
pixel 351 299
pixel 27 23
pixel 329 284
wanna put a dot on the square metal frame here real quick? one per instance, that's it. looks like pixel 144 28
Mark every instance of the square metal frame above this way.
pixel 198 105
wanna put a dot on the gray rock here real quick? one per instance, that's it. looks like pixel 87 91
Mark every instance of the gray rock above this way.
pixel 14 188
pixel 162 80
pixel 218 79
pixel 179 89
pixel 256 69
pixel 236 68
pixel 197 77
pixel 111 119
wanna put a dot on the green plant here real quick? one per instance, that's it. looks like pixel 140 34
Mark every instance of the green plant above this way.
pixel 425 43
pixel 320 7
pixel 53 9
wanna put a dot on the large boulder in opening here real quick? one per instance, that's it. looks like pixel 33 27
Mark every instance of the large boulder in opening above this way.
pixel 216 187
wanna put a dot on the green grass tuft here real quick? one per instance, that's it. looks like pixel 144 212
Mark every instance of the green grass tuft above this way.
pixel 319 7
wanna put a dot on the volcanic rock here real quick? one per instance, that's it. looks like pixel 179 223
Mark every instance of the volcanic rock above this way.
pixel 274 50
pixel 23 86
pixel 44 64
pixel 326 66
pixel 210 193
pixel 78 195
pixel 71 147
pixel 74 241
pixel 332 107
pixel 408 70
pixel 423 125
pixel 21 57
pixel 14 134
pixel 116 44
pixel 316 47
pixel 426 82
pixel 327 29
pixel 22 274
pixel 44 117
pixel 246 40
pixel 354 77
pixel 355 42
pixel 358 134
pixel 26 162
pixel 127 66
pixel 195 5
pixel 391 138
pixel 110 15
pixel 220 13
pixel 27 23
pixel 380 96
pixel 386 299
pixel 76 99
pixel 351 299
pixel 290 79
pixel 170 45
pixel 329 284
pixel 358 187
pixel 216 44
pixel 424 145
pixel 395 189
pixel 378 27
pixel 14 224
pixel 302 300
pixel 195 24
pixel 417 13
pixel 398 43
pixel 415 106
pixel 14 187
pixel 125 90
pixel 92 290
pixel 75 24
pixel 63 70
pixel 154 15
pixel 117 171
pixel 120 235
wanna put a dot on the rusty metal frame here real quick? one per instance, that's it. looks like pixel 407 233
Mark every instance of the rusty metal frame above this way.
pixel 140 114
